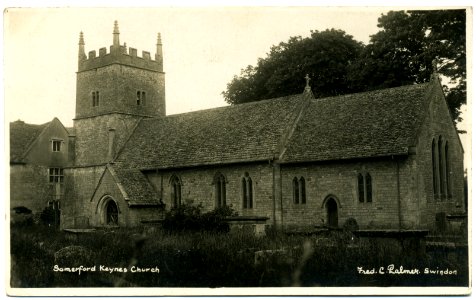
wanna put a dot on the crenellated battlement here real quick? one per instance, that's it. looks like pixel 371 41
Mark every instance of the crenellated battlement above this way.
pixel 119 80
pixel 119 54
pixel 124 56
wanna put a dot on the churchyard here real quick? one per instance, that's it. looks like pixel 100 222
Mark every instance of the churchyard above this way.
pixel 149 256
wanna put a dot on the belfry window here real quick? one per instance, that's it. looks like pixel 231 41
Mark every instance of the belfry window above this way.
pixel 247 191
pixel 175 191
pixel 140 98
pixel 220 190
pixel 95 96
pixel 364 186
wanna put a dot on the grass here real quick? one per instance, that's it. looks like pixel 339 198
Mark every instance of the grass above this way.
pixel 204 259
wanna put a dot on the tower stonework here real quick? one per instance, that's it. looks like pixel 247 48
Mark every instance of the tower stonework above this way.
pixel 114 90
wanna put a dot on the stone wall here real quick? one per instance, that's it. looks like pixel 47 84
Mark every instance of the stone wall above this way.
pixel 340 181
pixel 80 184
pixel 198 186
pixel 92 137
pixel 117 86
pixel 29 187
pixel 439 123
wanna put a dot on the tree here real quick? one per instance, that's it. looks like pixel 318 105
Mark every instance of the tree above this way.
pixel 403 51
pixel 325 56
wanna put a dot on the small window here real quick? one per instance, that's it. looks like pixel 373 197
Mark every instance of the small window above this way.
pixel 364 185
pixel 247 190
pixel 56 145
pixel 56 175
pixel 299 190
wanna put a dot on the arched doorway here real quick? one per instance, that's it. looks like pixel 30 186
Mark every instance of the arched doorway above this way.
pixel 332 213
pixel 111 213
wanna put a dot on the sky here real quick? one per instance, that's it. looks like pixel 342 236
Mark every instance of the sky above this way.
pixel 203 48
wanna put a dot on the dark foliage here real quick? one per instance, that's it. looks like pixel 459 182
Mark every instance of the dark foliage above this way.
pixel 207 259
pixel 188 217
pixel 325 56
pixel 401 53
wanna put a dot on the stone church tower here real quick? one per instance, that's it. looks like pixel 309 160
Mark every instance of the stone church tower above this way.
pixel 114 91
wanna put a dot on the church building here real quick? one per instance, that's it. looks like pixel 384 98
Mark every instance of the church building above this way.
pixel 385 159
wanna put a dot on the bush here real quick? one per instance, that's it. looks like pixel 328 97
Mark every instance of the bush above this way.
pixel 189 217
pixel 50 216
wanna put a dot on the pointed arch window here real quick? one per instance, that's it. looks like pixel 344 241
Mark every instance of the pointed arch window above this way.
pixel 296 190
pixel 361 188
pixel 434 161
pixel 220 190
pixel 448 179
pixel 364 186
pixel 175 191
pixel 299 190
pixel 247 191
pixel 442 167
pixel 302 190
pixel 368 187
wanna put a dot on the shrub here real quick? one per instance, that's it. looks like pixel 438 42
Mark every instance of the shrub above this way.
pixel 189 217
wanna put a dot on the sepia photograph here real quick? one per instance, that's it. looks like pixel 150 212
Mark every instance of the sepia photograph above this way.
pixel 237 150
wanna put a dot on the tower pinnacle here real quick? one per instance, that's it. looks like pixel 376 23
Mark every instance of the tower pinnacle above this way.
pixel 81 53
pixel 115 34
pixel 158 52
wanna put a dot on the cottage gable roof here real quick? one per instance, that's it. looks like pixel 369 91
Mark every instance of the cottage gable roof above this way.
pixel 239 133
pixel 22 135
pixel 371 124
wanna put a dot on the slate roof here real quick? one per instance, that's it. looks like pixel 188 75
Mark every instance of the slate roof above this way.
pixel 238 133
pixel 21 136
pixel 371 124
pixel 137 188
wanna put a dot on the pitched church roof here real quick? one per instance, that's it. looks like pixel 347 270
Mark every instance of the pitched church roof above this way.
pixel 22 136
pixel 369 124
pixel 238 133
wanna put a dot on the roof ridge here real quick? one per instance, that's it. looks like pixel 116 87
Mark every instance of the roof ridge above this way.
pixel 371 91
pixel 257 102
